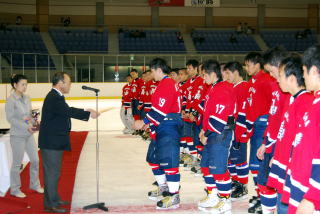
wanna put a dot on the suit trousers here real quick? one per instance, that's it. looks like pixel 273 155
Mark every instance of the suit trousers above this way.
pixel 51 163
pixel 19 145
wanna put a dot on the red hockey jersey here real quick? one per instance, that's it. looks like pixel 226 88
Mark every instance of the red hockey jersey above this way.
pixel 303 175
pixel 126 95
pixel 219 105
pixel 150 89
pixel 241 94
pixel 192 88
pixel 136 87
pixel 197 93
pixel 165 100
pixel 142 94
pixel 259 99
pixel 279 103
pixel 289 125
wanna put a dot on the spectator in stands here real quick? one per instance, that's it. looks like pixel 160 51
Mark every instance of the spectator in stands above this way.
pixel 250 30
pixel 22 127
pixel 67 22
pixel 35 28
pixel 299 35
pixel 245 28
pixel 19 20
pixel 198 39
pixel 137 34
pixel 239 28
pixel 307 32
pixel 233 39
pixel 179 37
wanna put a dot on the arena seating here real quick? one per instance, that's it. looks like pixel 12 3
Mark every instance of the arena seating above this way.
pixel 150 41
pixel 15 40
pixel 290 39
pixel 218 41
pixel 79 40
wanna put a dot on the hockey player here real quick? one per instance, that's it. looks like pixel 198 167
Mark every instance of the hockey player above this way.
pixel 238 166
pixel 142 93
pixel 126 111
pixel 216 135
pixel 196 116
pixel 302 185
pixel 136 86
pixel 174 74
pixel 165 122
pixel 191 95
pixel 291 81
pixel 259 102
pixel 151 86
pixel 280 101
pixel 195 93
pixel 183 77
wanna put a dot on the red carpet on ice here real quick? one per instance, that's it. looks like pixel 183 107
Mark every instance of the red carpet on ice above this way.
pixel 33 203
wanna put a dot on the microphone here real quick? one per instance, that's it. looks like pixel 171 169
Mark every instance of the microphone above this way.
pixel 90 89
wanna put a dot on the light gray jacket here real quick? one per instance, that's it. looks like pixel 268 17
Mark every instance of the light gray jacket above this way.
pixel 17 108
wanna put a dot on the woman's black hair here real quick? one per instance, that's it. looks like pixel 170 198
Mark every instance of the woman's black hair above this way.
pixel 16 78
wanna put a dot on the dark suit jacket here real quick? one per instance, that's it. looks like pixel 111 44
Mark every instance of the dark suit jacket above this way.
pixel 55 124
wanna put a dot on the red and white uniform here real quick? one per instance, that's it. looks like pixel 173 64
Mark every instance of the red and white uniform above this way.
pixel 219 105
pixel 196 105
pixel 259 99
pixel 166 99
pixel 192 94
pixel 197 93
pixel 288 129
pixel 142 94
pixel 126 96
pixel 279 103
pixel 136 88
pixel 241 94
pixel 150 89
pixel 303 175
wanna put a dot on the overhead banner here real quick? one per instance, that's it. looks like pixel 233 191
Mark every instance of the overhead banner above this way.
pixel 202 3
pixel 166 3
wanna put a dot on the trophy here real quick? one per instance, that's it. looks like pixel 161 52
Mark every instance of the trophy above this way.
pixel 35 116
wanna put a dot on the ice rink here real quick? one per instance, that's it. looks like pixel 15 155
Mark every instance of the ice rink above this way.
pixel 125 177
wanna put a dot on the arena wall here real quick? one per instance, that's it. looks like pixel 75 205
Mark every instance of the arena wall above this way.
pixel 38 91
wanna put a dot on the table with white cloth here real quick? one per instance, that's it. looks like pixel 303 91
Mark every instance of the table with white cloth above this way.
pixel 6 162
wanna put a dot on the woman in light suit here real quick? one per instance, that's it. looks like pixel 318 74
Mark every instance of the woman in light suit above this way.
pixel 18 113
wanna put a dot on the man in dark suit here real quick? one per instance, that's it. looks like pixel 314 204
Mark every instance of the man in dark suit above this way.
pixel 54 137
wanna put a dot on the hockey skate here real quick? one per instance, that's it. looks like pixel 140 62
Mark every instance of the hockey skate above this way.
pixel 183 158
pixel 209 201
pixel 158 193
pixel 197 171
pixel 255 205
pixel 172 201
pixel 155 183
pixel 190 162
pixel 239 191
pixel 222 207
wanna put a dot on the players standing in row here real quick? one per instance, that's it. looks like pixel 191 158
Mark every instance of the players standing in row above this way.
pixel 273 111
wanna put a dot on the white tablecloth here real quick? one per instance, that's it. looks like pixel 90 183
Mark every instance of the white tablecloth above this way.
pixel 5 163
